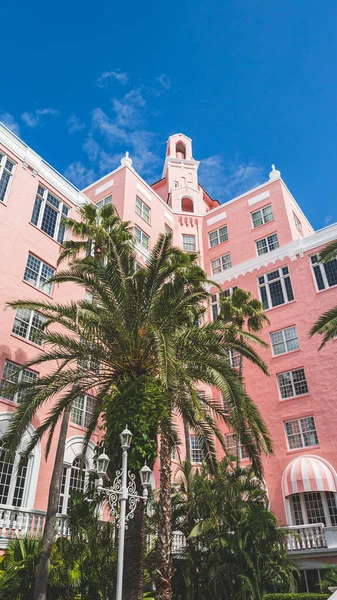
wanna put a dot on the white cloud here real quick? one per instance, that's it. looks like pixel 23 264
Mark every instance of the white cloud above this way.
pixel 164 81
pixel 8 120
pixel 130 109
pixel 227 180
pixel 32 119
pixel 75 124
pixel 78 174
pixel 117 75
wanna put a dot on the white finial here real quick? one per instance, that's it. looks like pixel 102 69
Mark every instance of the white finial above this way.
pixel 274 173
pixel 126 160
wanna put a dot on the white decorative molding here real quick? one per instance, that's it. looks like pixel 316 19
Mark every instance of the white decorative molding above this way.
pixel 258 198
pixel 40 166
pixel 104 187
pixel 217 218
pixel 144 192
pixel 168 216
pixel 74 448
pixel 291 251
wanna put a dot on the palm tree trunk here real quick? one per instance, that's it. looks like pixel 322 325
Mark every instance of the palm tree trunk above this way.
pixel 164 586
pixel 187 442
pixel 133 577
pixel 41 581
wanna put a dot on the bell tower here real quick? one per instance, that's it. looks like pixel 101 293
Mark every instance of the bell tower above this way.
pixel 181 172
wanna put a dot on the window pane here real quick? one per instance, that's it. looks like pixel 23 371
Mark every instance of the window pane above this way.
pixel 9 375
pixel 331 501
pixel 77 411
pixel 273 242
pixel 36 210
pixel 196 448
pixel 285 385
pixel 297 509
pixel 20 483
pixel 4 181
pixel 216 266
pixel 21 322
pixel 49 220
pixel 264 297
pixel 223 234
pixel 267 213
pixel 319 278
pixel 36 334
pixel 262 247
pixel 6 470
pixel 276 293
pixel 300 383
pixel 213 238
pixel 331 272
pixel 314 507
pixel 257 218
pixel 32 270
pixel 289 289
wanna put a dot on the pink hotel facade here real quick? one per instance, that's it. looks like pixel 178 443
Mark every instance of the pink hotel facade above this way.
pixel 260 241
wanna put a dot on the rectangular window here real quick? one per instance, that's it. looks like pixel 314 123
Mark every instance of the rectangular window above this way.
pixel 301 433
pixel 325 274
pixel 6 174
pixel 189 243
pixel 11 375
pixel 28 324
pixel 82 410
pixel 234 358
pixel 196 448
pixel 37 273
pixel 284 340
pixel 221 264
pixel 143 210
pixel 168 229
pixel 275 288
pixel 218 236
pixel 267 244
pixel 298 224
pixel 233 446
pixel 142 239
pixel 49 214
pixel 292 383
pixel 262 216
pixel 216 298
pixel 105 201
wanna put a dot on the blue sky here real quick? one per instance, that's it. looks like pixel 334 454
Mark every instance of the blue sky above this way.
pixel 253 82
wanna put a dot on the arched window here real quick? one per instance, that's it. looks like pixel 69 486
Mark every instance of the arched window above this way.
pixel 74 479
pixel 13 477
pixel 187 205
pixel 180 150
pixel 308 508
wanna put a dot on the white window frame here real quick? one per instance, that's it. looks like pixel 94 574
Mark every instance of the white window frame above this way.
pixel 284 340
pixel 268 244
pixel 243 454
pixel 190 238
pixel 224 263
pixel 261 213
pixel 143 236
pixel 83 410
pixel 42 194
pixel 29 325
pixel 20 376
pixel 66 474
pixel 105 201
pixel 267 283
pixel 315 264
pixel 301 433
pixel 3 162
pixel 196 444
pixel 141 210
pixel 292 383
pixel 217 235
pixel 304 511
pixel 39 275
pixel 215 300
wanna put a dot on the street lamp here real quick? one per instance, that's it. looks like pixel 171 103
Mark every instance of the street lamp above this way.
pixel 122 492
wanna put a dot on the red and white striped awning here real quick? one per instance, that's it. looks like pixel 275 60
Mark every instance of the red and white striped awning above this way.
pixel 308 474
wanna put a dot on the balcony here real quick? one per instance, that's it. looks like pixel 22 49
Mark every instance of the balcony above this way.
pixel 18 522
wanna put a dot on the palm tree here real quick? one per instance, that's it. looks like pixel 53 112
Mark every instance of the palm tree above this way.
pixel 145 360
pixel 326 325
pixel 235 548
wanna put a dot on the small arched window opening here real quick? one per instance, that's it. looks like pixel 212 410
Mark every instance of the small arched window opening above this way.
pixel 187 205
pixel 180 150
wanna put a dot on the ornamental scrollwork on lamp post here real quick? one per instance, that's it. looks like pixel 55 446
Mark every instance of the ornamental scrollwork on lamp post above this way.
pixel 122 492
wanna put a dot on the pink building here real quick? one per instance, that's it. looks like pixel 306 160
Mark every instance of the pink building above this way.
pixel 260 241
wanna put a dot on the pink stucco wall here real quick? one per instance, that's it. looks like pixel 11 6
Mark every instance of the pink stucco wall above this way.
pixel 19 236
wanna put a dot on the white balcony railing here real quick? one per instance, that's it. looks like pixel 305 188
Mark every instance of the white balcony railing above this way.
pixel 17 522
pixel 306 537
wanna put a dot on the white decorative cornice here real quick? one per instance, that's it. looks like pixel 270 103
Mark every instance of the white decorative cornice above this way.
pixel 291 251
pixel 40 167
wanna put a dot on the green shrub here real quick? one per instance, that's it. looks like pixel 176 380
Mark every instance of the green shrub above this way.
pixel 296 596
